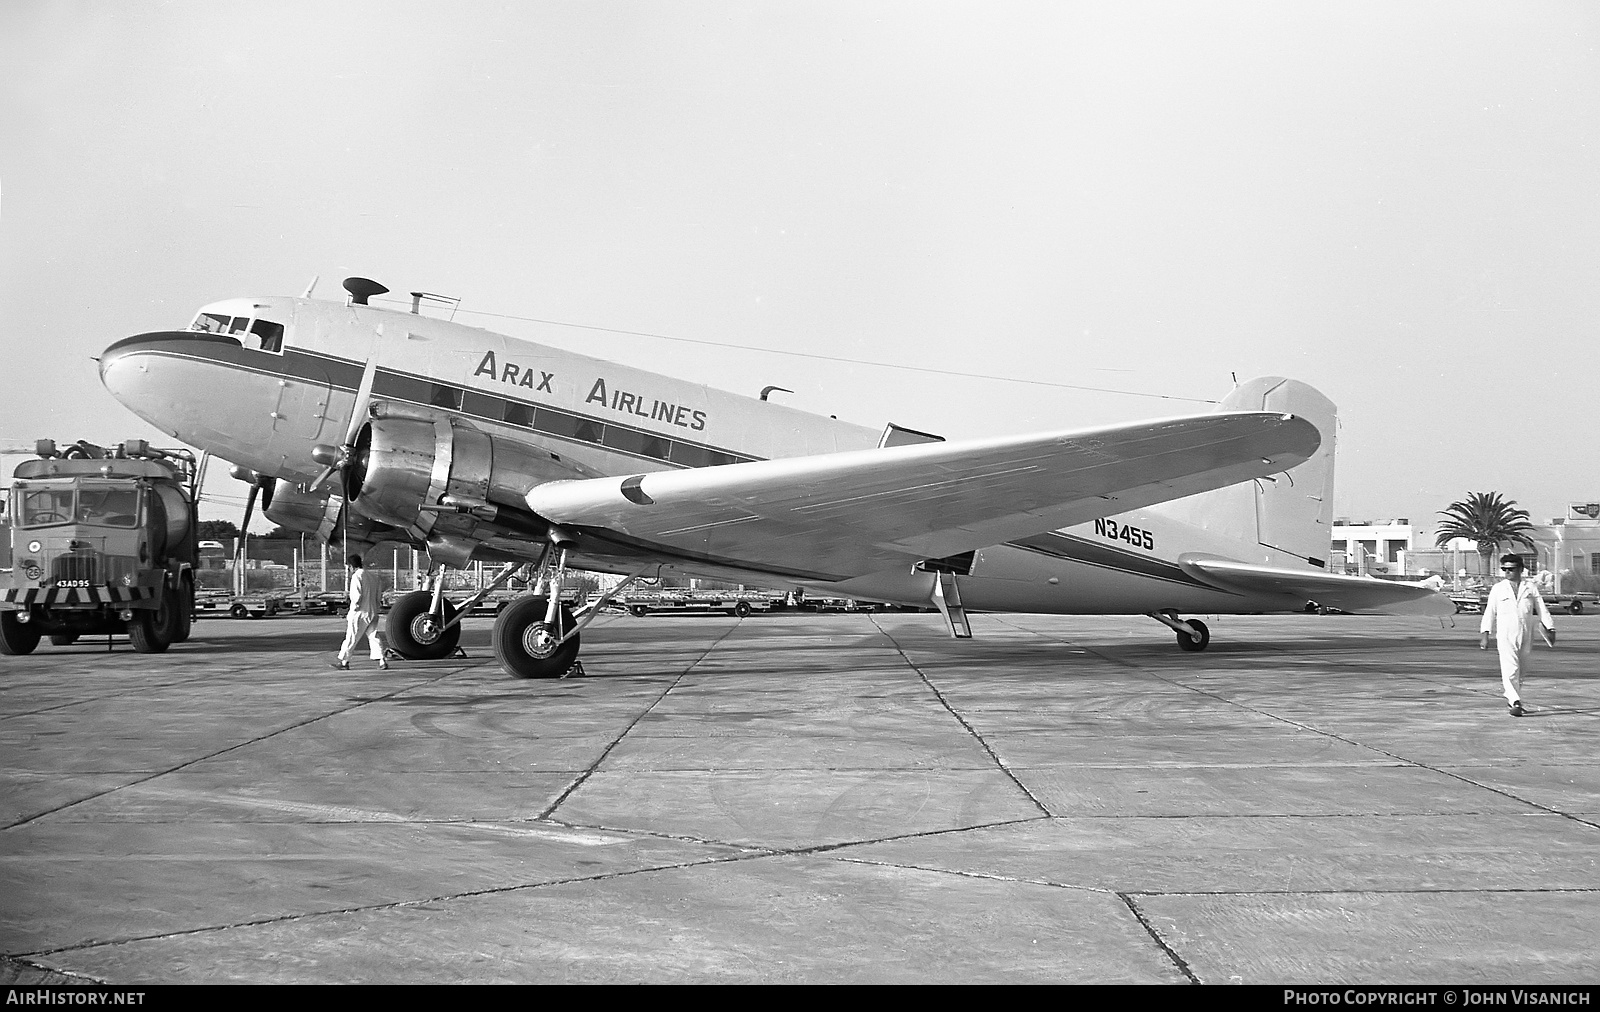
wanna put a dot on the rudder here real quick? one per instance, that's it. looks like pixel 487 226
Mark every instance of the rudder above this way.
pixel 1288 514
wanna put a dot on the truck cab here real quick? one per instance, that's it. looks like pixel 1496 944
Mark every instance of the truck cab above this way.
pixel 103 542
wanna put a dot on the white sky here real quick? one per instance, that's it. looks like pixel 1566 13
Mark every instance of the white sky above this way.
pixel 1396 202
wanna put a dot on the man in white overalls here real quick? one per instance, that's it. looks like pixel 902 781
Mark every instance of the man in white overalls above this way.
pixel 363 617
pixel 1508 616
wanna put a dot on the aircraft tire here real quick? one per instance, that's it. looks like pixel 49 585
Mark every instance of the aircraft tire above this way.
pixel 514 636
pixel 63 639
pixel 1185 643
pixel 16 638
pixel 414 634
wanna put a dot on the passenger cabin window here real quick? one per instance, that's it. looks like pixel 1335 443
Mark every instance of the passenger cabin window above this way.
pixel 264 335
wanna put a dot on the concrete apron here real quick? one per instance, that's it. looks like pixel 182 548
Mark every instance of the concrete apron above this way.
pixel 807 798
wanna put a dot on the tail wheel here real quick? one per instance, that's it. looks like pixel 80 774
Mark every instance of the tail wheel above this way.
pixel 528 648
pixel 1191 645
pixel 416 633
pixel 15 637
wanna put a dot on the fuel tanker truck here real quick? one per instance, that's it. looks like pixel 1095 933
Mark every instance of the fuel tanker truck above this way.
pixel 103 541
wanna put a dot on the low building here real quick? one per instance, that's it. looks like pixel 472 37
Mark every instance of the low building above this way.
pixel 1565 557
pixel 1371 547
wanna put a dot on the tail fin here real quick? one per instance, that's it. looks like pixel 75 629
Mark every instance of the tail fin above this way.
pixel 1288 516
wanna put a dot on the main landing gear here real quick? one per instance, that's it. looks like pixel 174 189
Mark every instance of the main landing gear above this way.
pixel 534 636
pixel 1193 635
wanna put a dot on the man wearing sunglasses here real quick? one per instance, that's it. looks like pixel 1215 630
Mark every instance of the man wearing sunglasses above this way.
pixel 1509 616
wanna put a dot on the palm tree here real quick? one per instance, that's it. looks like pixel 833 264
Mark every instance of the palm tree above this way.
pixel 1490 520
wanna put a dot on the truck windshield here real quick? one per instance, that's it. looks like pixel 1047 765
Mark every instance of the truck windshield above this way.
pixel 108 507
pixel 95 507
pixel 43 507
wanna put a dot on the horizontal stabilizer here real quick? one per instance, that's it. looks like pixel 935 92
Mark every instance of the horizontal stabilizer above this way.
pixel 840 515
pixel 1329 590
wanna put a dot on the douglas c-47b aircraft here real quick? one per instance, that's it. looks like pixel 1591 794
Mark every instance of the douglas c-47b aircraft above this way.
pixel 381 425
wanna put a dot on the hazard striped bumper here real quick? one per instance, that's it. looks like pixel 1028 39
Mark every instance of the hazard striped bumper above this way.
pixel 56 597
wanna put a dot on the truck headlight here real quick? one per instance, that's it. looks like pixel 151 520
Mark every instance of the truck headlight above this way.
pixel 34 546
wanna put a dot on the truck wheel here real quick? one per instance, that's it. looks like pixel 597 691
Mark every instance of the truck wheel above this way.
pixel 166 616
pixel 63 639
pixel 415 633
pixel 1576 607
pixel 238 611
pixel 522 640
pixel 15 638
pixel 638 610
pixel 146 627
pixel 185 612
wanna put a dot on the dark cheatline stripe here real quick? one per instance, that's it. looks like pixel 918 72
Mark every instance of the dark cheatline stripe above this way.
pixel 1074 549
pixel 344 374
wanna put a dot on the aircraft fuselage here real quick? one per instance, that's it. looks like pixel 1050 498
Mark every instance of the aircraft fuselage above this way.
pixel 260 382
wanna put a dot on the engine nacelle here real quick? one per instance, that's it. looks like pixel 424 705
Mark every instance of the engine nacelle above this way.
pixel 322 514
pixel 446 478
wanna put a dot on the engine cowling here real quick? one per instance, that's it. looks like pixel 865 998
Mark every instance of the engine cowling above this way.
pixel 323 515
pixel 405 469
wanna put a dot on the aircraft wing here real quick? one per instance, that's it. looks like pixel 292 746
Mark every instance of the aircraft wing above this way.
pixel 840 515
pixel 1330 590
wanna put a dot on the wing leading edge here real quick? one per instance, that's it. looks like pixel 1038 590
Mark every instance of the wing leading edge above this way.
pixel 840 515
pixel 1330 590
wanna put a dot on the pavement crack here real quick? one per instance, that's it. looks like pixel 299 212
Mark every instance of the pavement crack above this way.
pixel 392 905
pixel 1400 759
pixel 1144 922
pixel 224 751
pixel 583 777
pixel 945 702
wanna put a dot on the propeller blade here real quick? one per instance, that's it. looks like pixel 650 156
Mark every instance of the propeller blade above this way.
pixel 249 507
pixel 327 473
pixel 358 414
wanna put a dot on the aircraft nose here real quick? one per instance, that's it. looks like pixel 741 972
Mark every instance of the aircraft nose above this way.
pixel 126 362
pixel 157 375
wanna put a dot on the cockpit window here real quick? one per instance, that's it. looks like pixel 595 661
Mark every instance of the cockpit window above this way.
pixel 271 334
pixel 264 334
pixel 210 323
